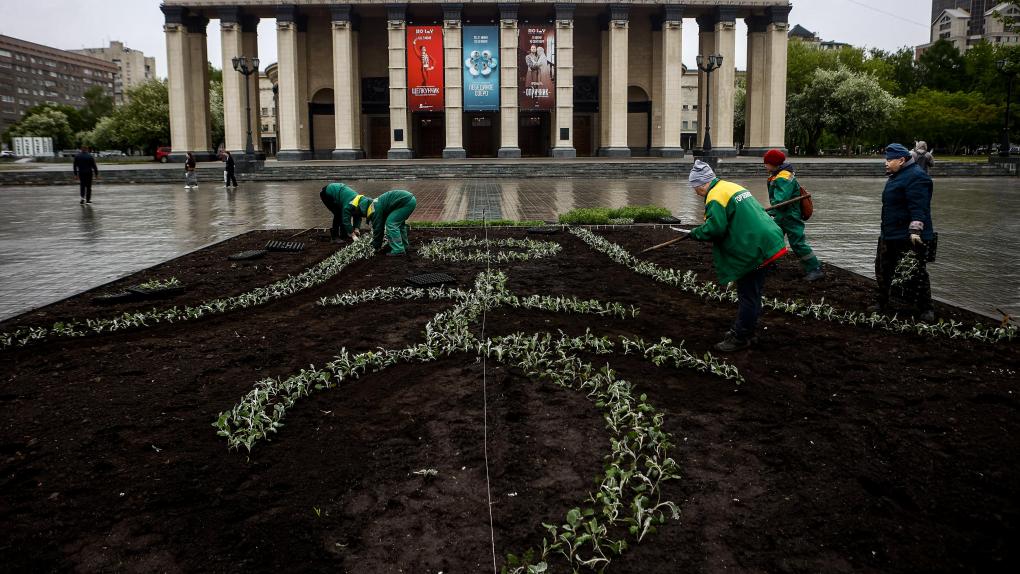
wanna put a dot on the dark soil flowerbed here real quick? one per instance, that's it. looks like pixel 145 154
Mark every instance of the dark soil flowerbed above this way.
pixel 846 449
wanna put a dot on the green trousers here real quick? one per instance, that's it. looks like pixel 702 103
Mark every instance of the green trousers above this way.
pixel 793 227
pixel 396 225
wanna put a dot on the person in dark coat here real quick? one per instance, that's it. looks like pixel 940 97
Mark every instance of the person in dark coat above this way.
pixel 190 177
pixel 228 170
pixel 906 227
pixel 84 168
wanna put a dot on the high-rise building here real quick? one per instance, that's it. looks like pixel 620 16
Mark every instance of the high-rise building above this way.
pixel 937 6
pixel 976 8
pixel 133 67
pixel 977 22
pixel 33 74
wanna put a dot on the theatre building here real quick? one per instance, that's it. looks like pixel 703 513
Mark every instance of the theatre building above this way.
pixel 480 79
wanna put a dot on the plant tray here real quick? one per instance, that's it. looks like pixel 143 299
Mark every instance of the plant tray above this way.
pixel 114 298
pixel 431 279
pixel 550 230
pixel 246 255
pixel 291 246
pixel 670 220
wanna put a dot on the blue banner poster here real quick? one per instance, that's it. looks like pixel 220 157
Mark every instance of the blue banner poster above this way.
pixel 481 68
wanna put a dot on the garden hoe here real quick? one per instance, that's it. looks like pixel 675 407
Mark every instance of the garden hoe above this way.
pixel 686 235
pixel 788 202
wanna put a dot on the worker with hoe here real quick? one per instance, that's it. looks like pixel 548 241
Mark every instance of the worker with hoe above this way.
pixel 783 186
pixel 388 216
pixel 745 241
pixel 344 203
pixel 906 227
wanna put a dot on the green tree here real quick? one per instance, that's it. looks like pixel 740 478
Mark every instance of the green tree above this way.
pixel 98 105
pixel 740 111
pixel 45 122
pixel 942 67
pixel 216 113
pixel 143 122
pixel 949 120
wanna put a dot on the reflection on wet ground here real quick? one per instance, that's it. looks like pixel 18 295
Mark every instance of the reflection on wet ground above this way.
pixel 52 247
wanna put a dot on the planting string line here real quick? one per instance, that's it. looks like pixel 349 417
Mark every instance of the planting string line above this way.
pixel 485 401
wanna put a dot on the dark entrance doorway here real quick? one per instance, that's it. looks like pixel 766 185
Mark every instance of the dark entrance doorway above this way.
pixel 533 135
pixel 378 136
pixel 429 136
pixel 481 134
pixel 583 142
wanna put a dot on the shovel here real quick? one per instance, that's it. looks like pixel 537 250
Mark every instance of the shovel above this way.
pixel 686 235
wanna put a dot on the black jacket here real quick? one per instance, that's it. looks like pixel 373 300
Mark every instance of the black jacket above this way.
pixel 230 163
pixel 85 165
pixel 906 198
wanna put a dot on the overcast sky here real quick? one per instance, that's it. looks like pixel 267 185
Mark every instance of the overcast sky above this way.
pixel 74 24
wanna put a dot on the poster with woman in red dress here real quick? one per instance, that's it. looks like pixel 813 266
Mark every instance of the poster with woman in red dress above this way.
pixel 425 68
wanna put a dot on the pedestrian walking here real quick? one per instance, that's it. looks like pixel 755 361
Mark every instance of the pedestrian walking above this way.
pixel 229 179
pixel 388 216
pixel 922 157
pixel 343 202
pixel 190 177
pixel 745 241
pixel 906 227
pixel 783 186
pixel 84 169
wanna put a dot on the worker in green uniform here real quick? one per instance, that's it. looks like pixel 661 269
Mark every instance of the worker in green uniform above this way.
pixel 783 186
pixel 343 202
pixel 745 241
pixel 388 216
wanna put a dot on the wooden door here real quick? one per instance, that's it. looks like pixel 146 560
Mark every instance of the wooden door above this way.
pixel 378 137
pixel 582 135
pixel 429 135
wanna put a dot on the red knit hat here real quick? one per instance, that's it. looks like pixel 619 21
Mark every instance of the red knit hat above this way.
pixel 775 157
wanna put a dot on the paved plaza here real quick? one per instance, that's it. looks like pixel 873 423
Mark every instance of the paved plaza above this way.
pixel 52 247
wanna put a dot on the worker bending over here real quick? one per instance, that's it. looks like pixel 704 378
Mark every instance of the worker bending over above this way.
pixel 343 202
pixel 745 241
pixel 388 216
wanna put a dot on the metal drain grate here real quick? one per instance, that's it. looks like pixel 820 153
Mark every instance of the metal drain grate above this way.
pixel 670 220
pixel 292 246
pixel 431 279
pixel 550 230
pixel 246 255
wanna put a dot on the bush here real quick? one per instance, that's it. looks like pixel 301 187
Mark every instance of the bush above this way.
pixel 603 215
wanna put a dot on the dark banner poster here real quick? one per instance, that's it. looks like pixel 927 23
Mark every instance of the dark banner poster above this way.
pixel 425 68
pixel 481 68
pixel 537 68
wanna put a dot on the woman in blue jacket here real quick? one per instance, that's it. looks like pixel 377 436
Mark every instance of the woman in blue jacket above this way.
pixel 906 226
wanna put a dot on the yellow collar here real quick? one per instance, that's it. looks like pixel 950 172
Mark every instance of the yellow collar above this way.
pixel 356 200
pixel 371 209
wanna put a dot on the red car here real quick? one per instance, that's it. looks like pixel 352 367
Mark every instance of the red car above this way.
pixel 162 154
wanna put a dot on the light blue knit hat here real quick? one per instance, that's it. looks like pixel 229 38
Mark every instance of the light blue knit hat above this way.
pixel 701 174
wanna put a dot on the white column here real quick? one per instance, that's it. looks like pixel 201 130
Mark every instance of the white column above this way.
pixel 454 80
pixel 178 64
pixel 613 112
pixel 775 71
pixel 563 134
pixel 724 81
pixel 198 90
pixel 400 135
pixel 293 108
pixel 346 85
pixel 233 82
pixel 509 37
pixel 250 48
pixel 668 73
pixel 756 117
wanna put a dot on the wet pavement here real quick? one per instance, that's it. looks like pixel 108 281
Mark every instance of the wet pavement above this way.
pixel 52 247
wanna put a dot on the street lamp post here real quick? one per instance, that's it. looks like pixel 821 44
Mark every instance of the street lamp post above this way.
pixel 1006 67
pixel 246 68
pixel 708 65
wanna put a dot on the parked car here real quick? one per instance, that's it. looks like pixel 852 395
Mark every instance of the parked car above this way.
pixel 111 153
pixel 6 153
pixel 162 154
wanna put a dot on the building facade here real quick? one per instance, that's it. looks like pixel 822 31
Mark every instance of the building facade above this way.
pixel 32 74
pixel 267 115
pixel 133 67
pixel 965 28
pixel 480 79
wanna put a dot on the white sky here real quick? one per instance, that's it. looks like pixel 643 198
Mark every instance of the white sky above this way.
pixel 74 24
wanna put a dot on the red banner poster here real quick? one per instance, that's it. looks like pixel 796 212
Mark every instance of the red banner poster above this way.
pixel 537 68
pixel 425 68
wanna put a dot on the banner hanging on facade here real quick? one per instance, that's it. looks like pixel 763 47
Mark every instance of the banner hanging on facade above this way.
pixel 425 68
pixel 537 68
pixel 481 68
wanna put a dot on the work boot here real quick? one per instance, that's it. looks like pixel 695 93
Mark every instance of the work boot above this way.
pixel 82 202
pixel 732 343
pixel 814 275
pixel 927 317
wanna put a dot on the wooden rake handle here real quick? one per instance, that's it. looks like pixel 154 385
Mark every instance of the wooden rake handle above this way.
pixel 666 244
pixel 788 202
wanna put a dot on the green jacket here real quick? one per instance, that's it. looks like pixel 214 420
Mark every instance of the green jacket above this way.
pixel 341 196
pixel 743 235
pixel 380 209
pixel 783 185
